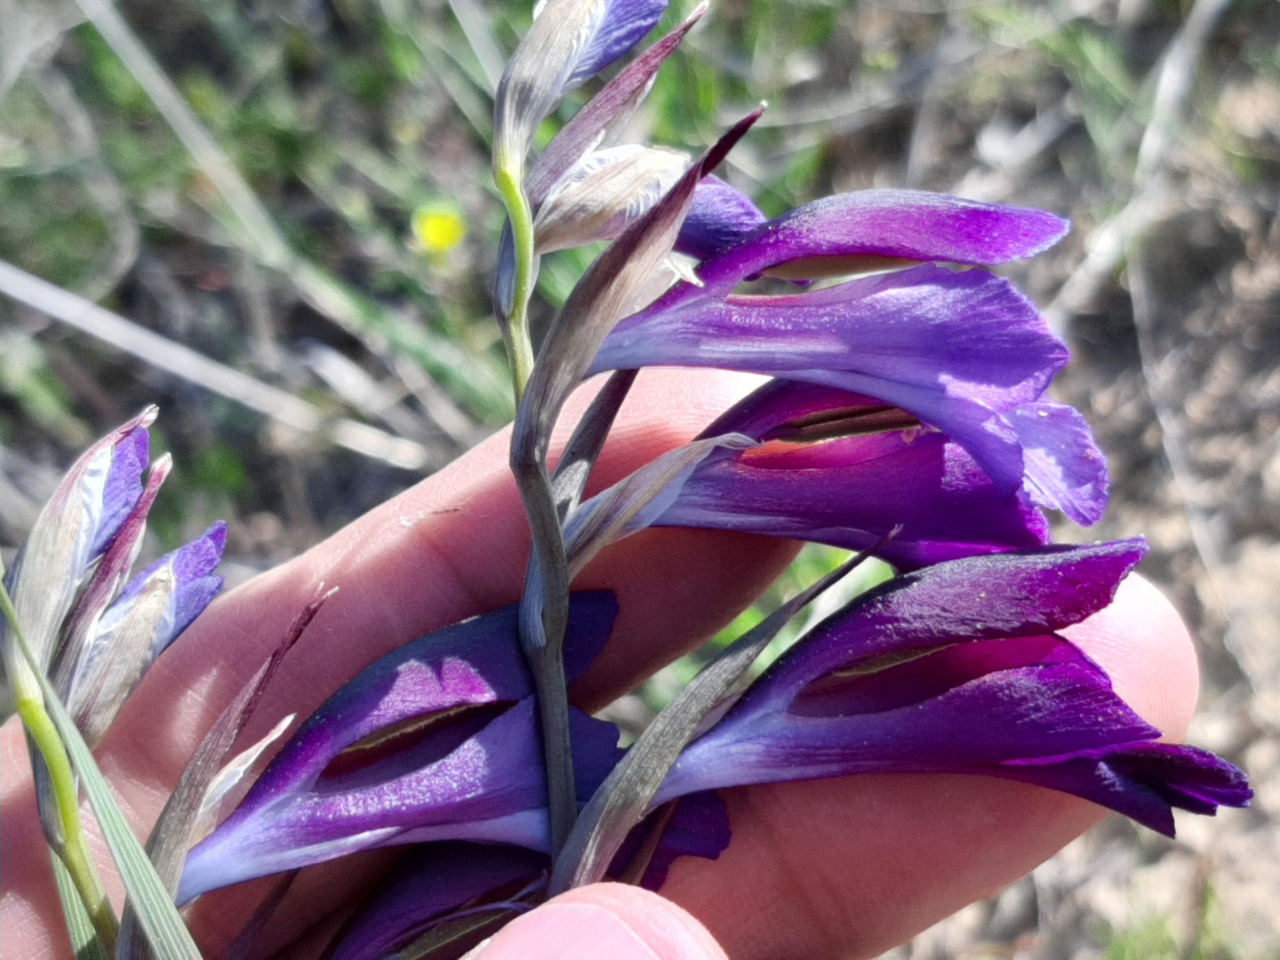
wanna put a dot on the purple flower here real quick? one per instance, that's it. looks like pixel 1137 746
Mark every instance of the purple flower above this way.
pixel 963 352
pixel 436 883
pixel 839 468
pixel 122 642
pixel 957 669
pixel 93 638
pixel 433 885
pixel 82 519
pixel 720 217
pixel 435 741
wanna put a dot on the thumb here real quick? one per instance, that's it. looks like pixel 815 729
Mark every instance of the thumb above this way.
pixel 603 920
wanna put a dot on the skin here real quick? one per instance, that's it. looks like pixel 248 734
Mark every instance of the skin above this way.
pixel 837 868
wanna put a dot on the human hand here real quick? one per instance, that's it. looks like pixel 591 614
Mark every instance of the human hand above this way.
pixel 843 867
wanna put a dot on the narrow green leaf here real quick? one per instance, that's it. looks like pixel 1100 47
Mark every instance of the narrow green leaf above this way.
pixel 156 911
pixel 84 939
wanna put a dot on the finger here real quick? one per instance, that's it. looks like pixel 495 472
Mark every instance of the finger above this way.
pixel 603 920
pixel 853 866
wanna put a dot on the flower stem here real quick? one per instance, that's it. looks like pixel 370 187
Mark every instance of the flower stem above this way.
pixel 70 847
pixel 515 332
pixel 542 638
pixel 544 616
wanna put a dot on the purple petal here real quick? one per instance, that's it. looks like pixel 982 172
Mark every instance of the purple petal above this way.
pixel 430 886
pixel 425 744
pixel 696 825
pixel 955 349
pixel 463 783
pixel 123 489
pixel 719 218
pixel 954 670
pixel 624 25
pixel 1143 781
pixel 193 567
pixel 1064 469
pixel 946 506
pixel 471 664
pixel 849 491
pixel 1000 596
pixel 894 224
pixel 1037 713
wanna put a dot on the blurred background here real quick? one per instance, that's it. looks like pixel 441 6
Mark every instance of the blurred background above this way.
pixel 274 219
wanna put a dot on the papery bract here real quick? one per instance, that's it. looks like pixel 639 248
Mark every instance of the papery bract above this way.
pixel 152 610
pixel 605 192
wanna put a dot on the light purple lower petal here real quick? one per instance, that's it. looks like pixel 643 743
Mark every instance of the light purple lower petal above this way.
pixel 489 787
pixel 964 352
pixel 1064 470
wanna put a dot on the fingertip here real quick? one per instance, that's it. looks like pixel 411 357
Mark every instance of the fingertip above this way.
pixel 1145 646
pixel 603 920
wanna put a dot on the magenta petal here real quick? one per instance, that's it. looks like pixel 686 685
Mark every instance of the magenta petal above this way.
pixel 850 491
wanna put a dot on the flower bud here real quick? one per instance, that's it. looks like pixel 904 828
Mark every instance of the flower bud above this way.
pixel 569 42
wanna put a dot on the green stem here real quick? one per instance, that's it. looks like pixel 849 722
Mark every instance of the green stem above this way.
pixel 515 332
pixel 543 642
pixel 72 850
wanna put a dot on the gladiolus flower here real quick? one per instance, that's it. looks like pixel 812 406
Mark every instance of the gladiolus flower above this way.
pixel 957 668
pixel 438 740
